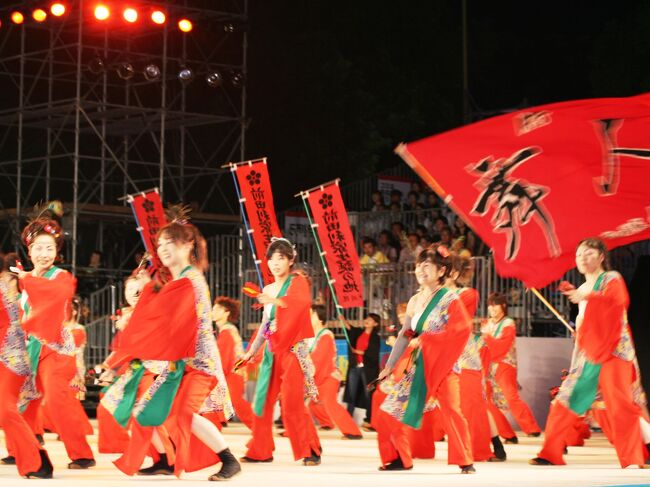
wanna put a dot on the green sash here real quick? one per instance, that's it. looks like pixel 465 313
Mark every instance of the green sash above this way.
pixel 313 345
pixel 158 407
pixel 122 413
pixel 266 367
pixel 418 394
pixel 586 387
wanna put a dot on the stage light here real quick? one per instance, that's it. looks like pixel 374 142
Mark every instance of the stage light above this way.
pixel 214 79
pixel 57 9
pixel 185 25
pixel 130 15
pixel 151 72
pixel 158 17
pixel 125 71
pixel 229 28
pixel 17 18
pixel 96 65
pixel 237 79
pixel 39 15
pixel 102 12
pixel 185 75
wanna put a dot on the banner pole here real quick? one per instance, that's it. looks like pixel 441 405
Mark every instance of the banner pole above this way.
pixel 552 310
pixel 246 225
pixel 304 196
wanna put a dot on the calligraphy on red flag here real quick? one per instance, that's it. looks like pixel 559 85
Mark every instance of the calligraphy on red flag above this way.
pixel 335 235
pixel 255 187
pixel 150 218
pixel 534 183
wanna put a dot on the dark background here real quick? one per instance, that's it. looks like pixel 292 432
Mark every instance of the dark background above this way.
pixel 335 86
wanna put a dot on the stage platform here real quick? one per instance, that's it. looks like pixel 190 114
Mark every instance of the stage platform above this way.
pixel 354 463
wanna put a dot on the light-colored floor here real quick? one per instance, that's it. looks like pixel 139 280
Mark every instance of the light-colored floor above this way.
pixel 354 463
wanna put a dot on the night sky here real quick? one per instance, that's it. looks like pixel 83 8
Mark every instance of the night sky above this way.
pixel 334 86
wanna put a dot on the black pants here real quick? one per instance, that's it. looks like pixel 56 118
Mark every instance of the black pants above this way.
pixel 357 391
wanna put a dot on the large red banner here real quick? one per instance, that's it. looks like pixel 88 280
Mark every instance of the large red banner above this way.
pixel 333 228
pixel 150 217
pixel 255 187
pixel 533 183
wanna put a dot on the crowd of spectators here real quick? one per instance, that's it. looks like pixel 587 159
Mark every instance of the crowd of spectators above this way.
pixel 416 222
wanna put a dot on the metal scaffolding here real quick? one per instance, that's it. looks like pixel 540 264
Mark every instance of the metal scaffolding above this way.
pixel 80 122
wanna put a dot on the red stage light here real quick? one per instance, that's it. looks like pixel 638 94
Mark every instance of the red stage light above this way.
pixel 130 15
pixel 185 25
pixel 102 12
pixel 39 15
pixel 17 18
pixel 158 17
pixel 57 9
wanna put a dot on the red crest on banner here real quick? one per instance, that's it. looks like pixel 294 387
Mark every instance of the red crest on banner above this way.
pixel 150 217
pixel 534 183
pixel 255 187
pixel 333 228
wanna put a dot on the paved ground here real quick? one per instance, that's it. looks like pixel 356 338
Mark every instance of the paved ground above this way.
pixel 354 463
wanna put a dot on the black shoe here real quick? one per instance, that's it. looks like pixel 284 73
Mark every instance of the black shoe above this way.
pixel 351 437
pixel 229 466
pixel 534 435
pixel 467 469
pixel 499 451
pixel 512 441
pixel 45 472
pixel 278 422
pixel 224 424
pixel 311 461
pixel 539 461
pixel 566 450
pixel 40 439
pixel 255 460
pixel 325 428
pixel 161 467
pixel 8 460
pixel 81 464
pixel 396 464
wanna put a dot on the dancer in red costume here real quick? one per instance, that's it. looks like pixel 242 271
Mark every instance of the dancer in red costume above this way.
pixel 225 312
pixel 172 323
pixel 16 385
pixel 472 387
pixel 286 368
pixel 78 385
pixel 46 301
pixel 439 318
pixel 499 333
pixel 603 358
pixel 111 436
pixel 328 378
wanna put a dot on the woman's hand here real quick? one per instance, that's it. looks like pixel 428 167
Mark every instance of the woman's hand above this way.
pixel 575 295
pixel 78 384
pixel 264 298
pixel 106 378
pixel 384 373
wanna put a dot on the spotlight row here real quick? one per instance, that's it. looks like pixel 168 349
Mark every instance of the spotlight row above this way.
pixel 151 72
pixel 103 13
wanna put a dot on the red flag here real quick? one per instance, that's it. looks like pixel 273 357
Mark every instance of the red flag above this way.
pixel 255 187
pixel 336 238
pixel 150 217
pixel 533 183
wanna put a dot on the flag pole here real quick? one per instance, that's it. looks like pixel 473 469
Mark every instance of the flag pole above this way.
pixel 304 195
pixel 553 310
pixel 249 231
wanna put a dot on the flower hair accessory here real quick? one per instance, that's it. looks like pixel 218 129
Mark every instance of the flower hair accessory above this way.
pixel 443 251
